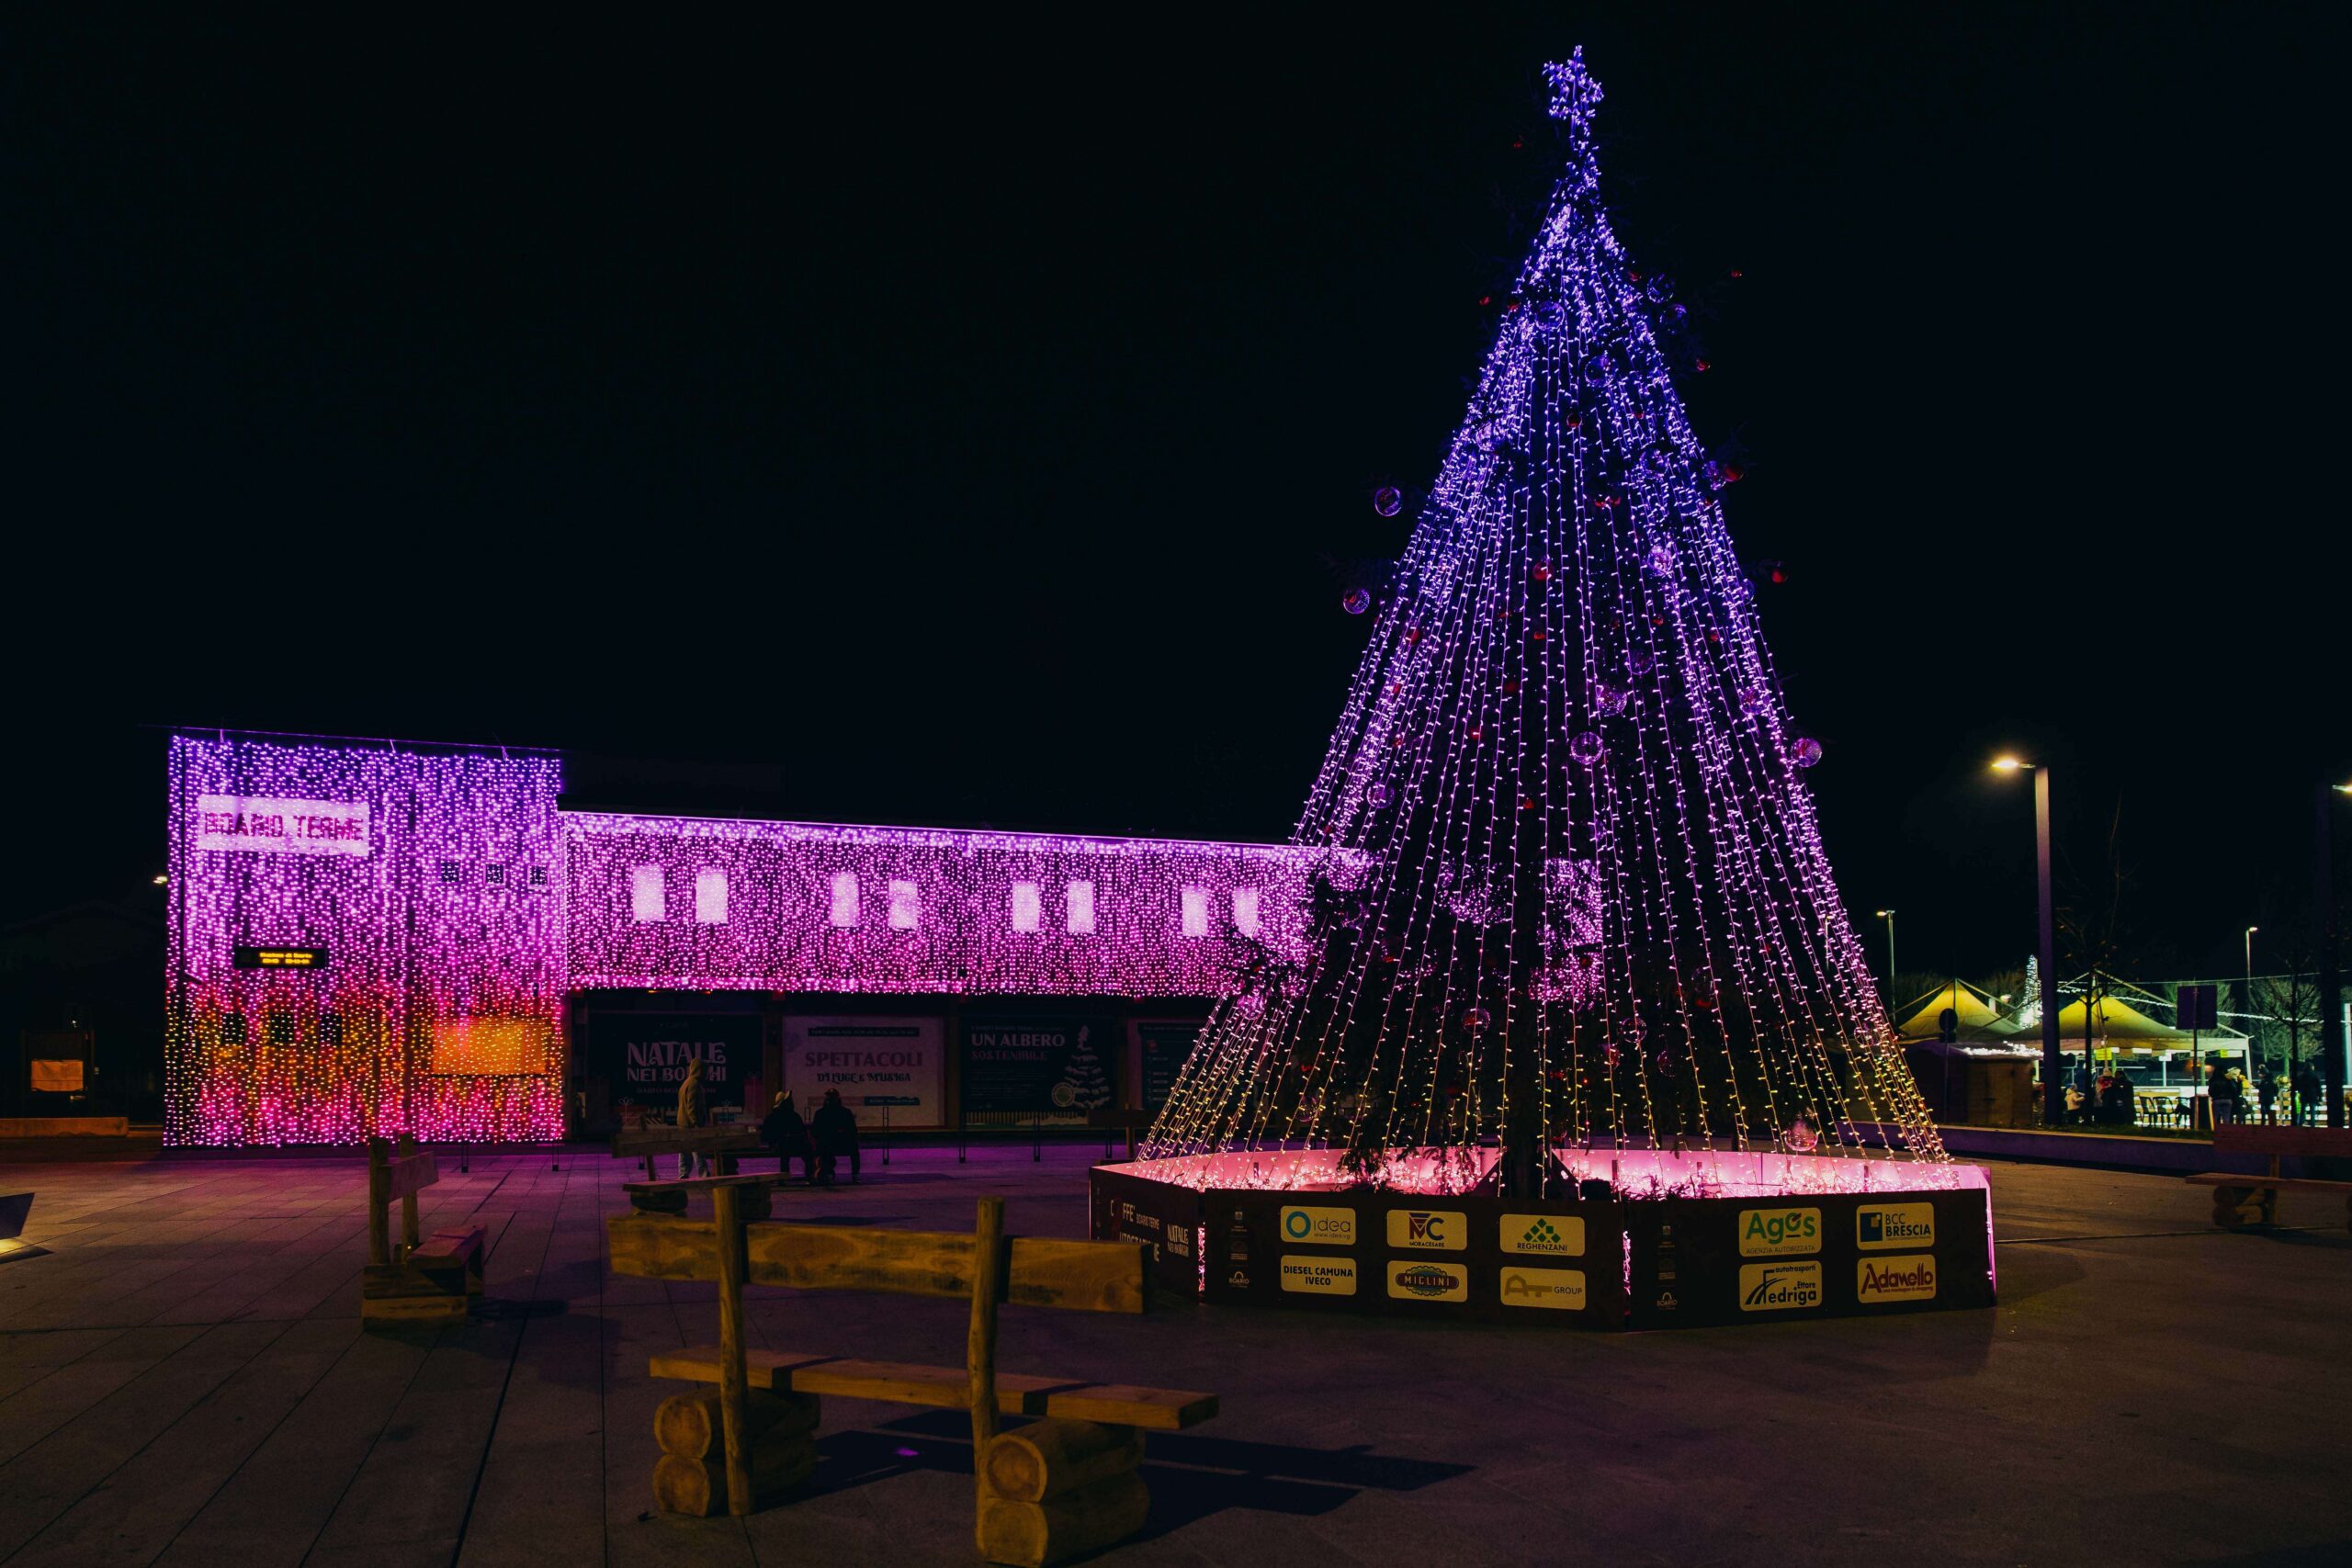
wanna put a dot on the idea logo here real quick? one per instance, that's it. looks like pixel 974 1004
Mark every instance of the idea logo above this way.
pixel 1773 1232
pixel 1319 1227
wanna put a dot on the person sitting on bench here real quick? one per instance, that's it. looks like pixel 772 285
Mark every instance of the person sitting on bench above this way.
pixel 836 1132
pixel 786 1135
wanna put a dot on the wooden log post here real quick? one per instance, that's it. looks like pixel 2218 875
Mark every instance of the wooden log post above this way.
pixel 379 1185
pixel 1034 1535
pixel 733 1378
pixel 1045 1459
pixel 409 1236
pixel 979 1354
pixel 691 1476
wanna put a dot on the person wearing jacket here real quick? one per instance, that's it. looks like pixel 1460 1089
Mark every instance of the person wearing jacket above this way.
pixel 690 1114
pixel 787 1135
pixel 836 1132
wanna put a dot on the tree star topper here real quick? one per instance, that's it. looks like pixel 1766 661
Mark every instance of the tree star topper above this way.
pixel 1575 94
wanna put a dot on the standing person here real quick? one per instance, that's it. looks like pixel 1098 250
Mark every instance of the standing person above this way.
pixel 2305 1079
pixel 2266 1091
pixel 690 1114
pixel 836 1132
pixel 788 1135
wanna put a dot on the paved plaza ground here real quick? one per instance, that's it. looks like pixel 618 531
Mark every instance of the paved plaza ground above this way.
pixel 183 1380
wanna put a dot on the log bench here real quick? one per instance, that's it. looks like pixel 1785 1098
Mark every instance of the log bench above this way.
pixel 431 1279
pixel 719 1144
pixel 1066 1483
pixel 669 1196
pixel 2240 1201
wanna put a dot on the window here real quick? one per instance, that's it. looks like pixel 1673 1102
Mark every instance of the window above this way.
pixel 1026 906
pixel 844 898
pixel 1245 910
pixel 1080 902
pixel 278 1027
pixel 710 896
pixel 1194 902
pixel 538 876
pixel 331 1030
pixel 495 874
pixel 450 872
pixel 645 892
pixel 233 1029
pixel 906 906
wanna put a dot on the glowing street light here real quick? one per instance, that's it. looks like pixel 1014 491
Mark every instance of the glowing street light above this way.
pixel 2053 1095
pixel 1888 915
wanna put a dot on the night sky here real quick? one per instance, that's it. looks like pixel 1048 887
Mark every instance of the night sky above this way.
pixel 960 427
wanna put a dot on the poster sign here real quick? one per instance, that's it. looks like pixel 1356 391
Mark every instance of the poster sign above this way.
pixel 267 826
pixel 1055 1068
pixel 880 1065
pixel 1165 1048
pixel 642 1056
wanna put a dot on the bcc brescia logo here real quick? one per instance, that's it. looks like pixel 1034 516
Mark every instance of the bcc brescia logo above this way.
pixel 1881 1226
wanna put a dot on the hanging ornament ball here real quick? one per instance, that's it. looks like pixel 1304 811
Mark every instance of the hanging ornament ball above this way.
pixel 1641 662
pixel 1805 753
pixel 1380 794
pixel 1700 366
pixel 1595 371
pixel 1550 315
pixel 1476 1019
pixel 1356 601
pixel 1660 457
pixel 1611 1054
pixel 1660 560
pixel 1585 747
pixel 1674 315
pixel 1664 1063
pixel 1389 501
pixel 1659 288
pixel 1541 572
pixel 1609 701
pixel 1751 700
pixel 1412 635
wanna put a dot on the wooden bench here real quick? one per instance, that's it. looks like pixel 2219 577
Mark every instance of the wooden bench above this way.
pixel 432 1280
pixel 1066 1483
pixel 719 1144
pixel 1115 1118
pixel 2240 1201
pixel 669 1197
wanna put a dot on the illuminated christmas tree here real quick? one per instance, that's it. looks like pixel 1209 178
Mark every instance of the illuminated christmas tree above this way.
pixel 1571 891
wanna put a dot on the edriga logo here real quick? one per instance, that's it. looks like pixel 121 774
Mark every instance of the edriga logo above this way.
pixel 1779 1287
pixel 1321 1227
pixel 1769 1233
pixel 1911 1279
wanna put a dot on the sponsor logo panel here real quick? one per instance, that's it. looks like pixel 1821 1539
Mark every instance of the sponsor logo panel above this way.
pixel 1419 1279
pixel 1779 1287
pixel 1560 1290
pixel 1776 1233
pixel 1430 1230
pixel 1544 1236
pixel 1311 1276
pixel 1879 1227
pixel 1906 1278
pixel 1319 1227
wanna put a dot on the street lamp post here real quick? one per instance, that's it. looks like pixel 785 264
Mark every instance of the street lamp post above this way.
pixel 2331 978
pixel 1888 915
pixel 2253 1058
pixel 2053 1092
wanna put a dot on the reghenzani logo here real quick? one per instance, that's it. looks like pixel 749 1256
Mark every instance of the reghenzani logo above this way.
pixel 1321 1227
pixel 1910 1279
pixel 1320 1275
pixel 1430 1230
pixel 1779 1287
pixel 1546 1235
pixel 1772 1232
pixel 1428 1282
pixel 1877 1226
pixel 1560 1290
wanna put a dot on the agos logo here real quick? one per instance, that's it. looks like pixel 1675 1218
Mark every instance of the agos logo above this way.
pixel 1768 1233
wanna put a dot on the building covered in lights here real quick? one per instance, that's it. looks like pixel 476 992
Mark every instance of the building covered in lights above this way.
pixel 374 937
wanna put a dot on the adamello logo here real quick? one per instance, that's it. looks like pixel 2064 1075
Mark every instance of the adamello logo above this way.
pixel 1772 1233
pixel 1428 1282
pixel 1879 1226
pixel 1428 1230
pixel 1911 1279
pixel 1546 1236
pixel 1560 1290
pixel 1321 1227
pixel 1779 1287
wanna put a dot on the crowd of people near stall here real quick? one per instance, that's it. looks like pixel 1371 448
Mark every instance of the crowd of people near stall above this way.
pixel 2274 1097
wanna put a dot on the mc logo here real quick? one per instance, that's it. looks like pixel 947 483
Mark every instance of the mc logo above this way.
pixel 1772 1232
pixel 1428 1230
